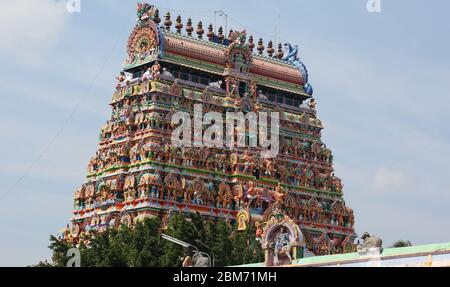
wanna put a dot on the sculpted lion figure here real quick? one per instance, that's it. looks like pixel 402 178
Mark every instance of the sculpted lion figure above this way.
pixel 370 242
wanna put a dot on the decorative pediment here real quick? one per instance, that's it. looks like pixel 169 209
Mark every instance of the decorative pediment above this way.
pixel 176 89
pixel 145 42
pixel 172 182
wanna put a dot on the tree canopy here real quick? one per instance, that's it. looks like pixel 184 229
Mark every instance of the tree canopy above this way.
pixel 402 243
pixel 142 245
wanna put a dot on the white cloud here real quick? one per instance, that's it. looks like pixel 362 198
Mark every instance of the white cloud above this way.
pixel 29 27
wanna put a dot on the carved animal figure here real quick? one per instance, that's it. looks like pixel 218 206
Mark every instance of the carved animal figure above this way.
pixel 292 57
pixel 291 54
pixel 370 242
pixel 167 73
pixel 217 85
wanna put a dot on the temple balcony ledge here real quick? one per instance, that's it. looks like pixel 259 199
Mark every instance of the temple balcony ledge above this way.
pixel 155 203
pixel 298 189
pixel 133 88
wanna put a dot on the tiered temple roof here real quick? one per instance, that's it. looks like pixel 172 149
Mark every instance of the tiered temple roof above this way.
pixel 137 172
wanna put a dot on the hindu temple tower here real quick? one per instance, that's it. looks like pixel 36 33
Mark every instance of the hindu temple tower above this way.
pixel 137 173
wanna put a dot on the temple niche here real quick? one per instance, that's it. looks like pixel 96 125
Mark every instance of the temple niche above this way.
pixel 137 172
pixel 281 239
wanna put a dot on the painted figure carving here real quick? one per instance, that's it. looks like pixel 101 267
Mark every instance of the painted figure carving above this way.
pixel 282 246
pixel 279 196
pixel 156 68
pixel 312 105
pixel 121 79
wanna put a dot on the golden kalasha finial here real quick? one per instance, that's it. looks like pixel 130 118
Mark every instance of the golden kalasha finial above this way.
pixel 200 30
pixel 230 35
pixel 251 44
pixel 221 36
pixel 156 18
pixel 168 22
pixel 260 46
pixel 189 28
pixel 270 49
pixel 179 24
pixel 280 53
pixel 210 33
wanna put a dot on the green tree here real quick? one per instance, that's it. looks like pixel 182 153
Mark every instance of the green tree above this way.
pixel 59 248
pixel 148 244
pixel 402 243
pixel 221 244
pixel 246 249
pixel 182 229
pixel 142 246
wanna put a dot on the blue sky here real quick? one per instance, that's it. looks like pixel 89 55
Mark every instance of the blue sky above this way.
pixel 382 83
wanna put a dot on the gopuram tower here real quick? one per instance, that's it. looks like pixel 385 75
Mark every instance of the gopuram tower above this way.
pixel 138 173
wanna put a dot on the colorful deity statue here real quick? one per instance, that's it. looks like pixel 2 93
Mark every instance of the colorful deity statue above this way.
pixel 269 167
pixel 279 195
pixel 252 192
pixel 249 162
pixel 121 79
pixel 156 70
pixel 282 246
pixel 148 75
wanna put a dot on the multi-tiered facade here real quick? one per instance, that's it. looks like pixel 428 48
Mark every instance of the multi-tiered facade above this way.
pixel 137 172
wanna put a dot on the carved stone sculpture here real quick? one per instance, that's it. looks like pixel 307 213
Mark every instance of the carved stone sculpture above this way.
pixel 371 244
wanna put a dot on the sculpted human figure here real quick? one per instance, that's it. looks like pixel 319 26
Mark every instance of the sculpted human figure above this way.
pixel 147 75
pixel 279 195
pixel 139 119
pixel 129 185
pixel 248 161
pixel 79 196
pixel 227 200
pixel 142 192
pixel 92 165
pixel 312 105
pixel 121 79
pixel 239 195
pixel 220 199
pixel 135 152
pixel 234 89
pixel 253 91
pixel 156 68
pixel 282 172
pixel 252 192
pixel 124 151
pixel 269 167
